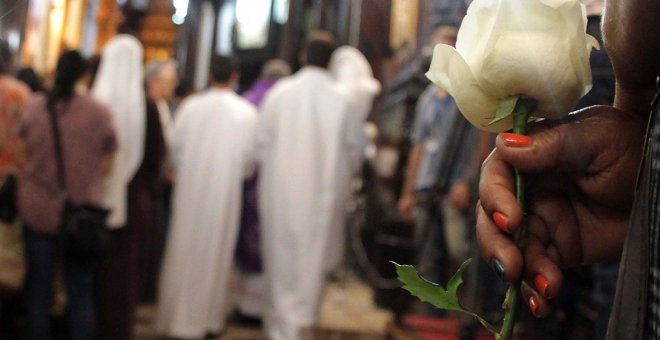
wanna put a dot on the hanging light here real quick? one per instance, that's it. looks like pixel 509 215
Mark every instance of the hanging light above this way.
pixel 181 11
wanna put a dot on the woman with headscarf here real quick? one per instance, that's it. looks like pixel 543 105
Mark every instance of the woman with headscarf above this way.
pixel 350 68
pixel 87 145
pixel 119 83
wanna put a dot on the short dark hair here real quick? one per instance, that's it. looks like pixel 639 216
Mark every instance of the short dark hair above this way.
pixel 70 67
pixel 223 67
pixel 30 77
pixel 320 46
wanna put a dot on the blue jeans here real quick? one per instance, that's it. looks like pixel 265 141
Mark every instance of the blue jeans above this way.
pixel 79 276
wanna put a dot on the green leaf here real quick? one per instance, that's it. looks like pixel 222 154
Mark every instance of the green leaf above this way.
pixel 431 292
pixel 505 108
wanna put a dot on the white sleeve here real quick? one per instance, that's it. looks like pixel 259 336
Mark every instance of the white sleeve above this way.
pixel 355 139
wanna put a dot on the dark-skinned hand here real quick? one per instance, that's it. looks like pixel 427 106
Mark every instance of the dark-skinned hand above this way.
pixel 580 175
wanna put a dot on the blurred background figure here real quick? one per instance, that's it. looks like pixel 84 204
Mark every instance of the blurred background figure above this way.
pixel 213 152
pixel 88 144
pixel 119 84
pixel 31 79
pixel 272 71
pixel 305 147
pixel 13 96
pixel 427 169
pixel 252 288
pixel 350 68
pixel 161 80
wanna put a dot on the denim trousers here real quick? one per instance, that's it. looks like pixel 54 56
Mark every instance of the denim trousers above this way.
pixel 42 252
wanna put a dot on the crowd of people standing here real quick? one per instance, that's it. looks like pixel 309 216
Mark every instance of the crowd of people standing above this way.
pixel 123 143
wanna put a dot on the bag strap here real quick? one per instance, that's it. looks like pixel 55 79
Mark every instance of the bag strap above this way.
pixel 59 157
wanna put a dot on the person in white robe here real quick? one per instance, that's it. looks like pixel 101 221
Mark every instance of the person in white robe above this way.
pixel 212 152
pixel 305 147
pixel 119 84
pixel 357 83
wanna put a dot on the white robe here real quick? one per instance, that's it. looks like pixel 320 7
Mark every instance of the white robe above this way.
pixel 306 150
pixel 212 152
pixel 350 68
pixel 119 85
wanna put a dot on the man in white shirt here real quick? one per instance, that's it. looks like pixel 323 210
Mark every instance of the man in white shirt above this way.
pixel 307 147
pixel 212 153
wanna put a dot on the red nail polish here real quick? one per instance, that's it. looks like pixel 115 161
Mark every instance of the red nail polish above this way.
pixel 533 305
pixel 501 221
pixel 541 284
pixel 515 140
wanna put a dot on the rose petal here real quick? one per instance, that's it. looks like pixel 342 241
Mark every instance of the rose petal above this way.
pixel 450 71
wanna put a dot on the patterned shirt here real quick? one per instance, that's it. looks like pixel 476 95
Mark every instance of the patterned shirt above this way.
pixel 13 96
pixel 87 136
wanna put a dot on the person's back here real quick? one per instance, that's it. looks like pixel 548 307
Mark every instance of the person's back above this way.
pixel 316 125
pixel 88 143
pixel 87 137
pixel 225 125
pixel 212 153
pixel 306 149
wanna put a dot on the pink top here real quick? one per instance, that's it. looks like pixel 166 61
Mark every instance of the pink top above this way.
pixel 87 137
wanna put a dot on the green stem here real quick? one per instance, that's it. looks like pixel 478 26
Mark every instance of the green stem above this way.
pixel 524 107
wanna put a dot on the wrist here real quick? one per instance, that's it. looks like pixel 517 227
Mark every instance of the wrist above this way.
pixel 637 101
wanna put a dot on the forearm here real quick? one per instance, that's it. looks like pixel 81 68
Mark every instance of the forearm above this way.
pixel 631 39
pixel 412 167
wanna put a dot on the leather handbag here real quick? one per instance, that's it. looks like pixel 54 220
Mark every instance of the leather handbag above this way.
pixel 83 227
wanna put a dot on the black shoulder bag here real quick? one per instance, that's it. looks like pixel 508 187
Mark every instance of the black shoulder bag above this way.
pixel 8 208
pixel 83 227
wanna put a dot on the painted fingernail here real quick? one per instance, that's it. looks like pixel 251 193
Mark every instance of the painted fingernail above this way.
pixel 515 140
pixel 541 284
pixel 533 304
pixel 498 268
pixel 501 221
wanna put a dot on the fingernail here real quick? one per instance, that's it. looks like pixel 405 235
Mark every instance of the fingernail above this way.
pixel 515 140
pixel 501 221
pixel 541 284
pixel 498 268
pixel 533 304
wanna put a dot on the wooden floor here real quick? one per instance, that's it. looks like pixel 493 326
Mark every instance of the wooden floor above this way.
pixel 347 313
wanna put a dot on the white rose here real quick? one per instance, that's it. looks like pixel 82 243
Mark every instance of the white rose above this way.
pixel 505 48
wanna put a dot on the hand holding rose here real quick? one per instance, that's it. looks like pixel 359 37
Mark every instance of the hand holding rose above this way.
pixel 581 185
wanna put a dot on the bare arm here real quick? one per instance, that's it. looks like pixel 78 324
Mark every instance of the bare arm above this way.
pixel 407 200
pixel 632 40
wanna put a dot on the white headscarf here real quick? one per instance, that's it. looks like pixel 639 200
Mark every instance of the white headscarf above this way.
pixel 353 73
pixel 119 85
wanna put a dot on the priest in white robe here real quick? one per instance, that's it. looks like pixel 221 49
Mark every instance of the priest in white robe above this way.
pixel 212 153
pixel 306 145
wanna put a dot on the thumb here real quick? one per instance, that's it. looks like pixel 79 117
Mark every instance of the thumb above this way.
pixel 571 145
